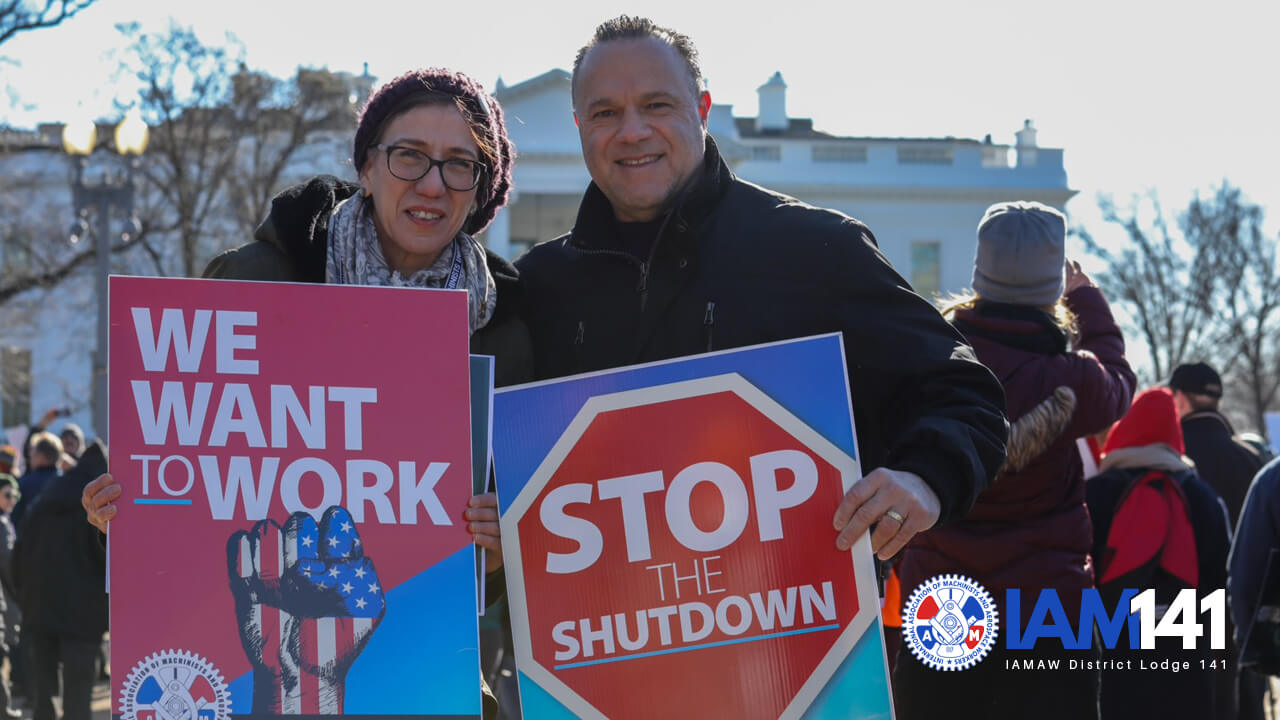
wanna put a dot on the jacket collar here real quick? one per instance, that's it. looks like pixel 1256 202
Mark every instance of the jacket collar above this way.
pixel 1157 456
pixel 298 223
pixel 594 227
pixel 1017 326
pixel 1213 416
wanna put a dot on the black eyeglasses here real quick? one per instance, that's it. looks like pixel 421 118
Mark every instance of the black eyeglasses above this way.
pixel 411 165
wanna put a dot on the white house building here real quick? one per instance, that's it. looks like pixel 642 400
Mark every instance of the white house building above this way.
pixel 922 197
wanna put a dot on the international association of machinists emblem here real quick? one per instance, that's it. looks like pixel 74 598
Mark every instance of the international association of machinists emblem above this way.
pixel 174 685
pixel 949 622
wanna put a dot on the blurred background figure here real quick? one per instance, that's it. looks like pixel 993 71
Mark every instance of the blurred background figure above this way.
pixel 1156 525
pixel 60 574
pixel 44 423
pixel 1254 583
pixel 72 440
pixel 9 612
pixel 46 450
pixel 1228 464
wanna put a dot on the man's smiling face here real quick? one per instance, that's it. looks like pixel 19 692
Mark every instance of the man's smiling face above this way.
pixel 642 124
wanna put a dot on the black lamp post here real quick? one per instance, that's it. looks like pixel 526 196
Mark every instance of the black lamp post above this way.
pixel 114 191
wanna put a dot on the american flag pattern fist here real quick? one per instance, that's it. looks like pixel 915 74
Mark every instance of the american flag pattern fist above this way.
pixel 307 601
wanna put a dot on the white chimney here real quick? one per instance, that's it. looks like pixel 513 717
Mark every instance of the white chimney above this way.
pixel 1026 144
pixel 1027 135
pixel 773 104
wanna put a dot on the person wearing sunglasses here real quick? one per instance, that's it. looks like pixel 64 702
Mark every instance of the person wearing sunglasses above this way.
pixel 433 162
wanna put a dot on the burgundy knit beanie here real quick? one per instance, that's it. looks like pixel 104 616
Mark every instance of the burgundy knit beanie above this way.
pixel 485 120
pixel 1151 419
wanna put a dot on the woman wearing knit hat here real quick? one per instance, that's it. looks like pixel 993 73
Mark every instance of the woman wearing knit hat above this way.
pixel 1050 338
pixel 1156 525
pixel 433 162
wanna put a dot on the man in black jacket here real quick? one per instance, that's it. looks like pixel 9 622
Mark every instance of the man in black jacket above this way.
pixel 60 571
pixel 672 255
pixel 1226 464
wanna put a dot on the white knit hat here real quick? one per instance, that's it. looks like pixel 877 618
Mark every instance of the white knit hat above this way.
pixel 1020 254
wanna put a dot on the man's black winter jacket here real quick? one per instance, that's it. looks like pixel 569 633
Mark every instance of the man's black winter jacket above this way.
pixel 735 264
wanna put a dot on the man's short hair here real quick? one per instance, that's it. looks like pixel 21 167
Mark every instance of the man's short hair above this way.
pixel 46 445
pixel 626 27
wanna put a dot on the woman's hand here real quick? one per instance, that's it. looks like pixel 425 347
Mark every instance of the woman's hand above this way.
pixel 1075 278
pixel 99 499
pixel 482 523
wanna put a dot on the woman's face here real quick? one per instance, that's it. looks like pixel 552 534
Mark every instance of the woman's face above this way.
pixel 8 498
pixel 416 220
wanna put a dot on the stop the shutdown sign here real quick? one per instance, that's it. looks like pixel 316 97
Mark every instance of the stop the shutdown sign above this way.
pixel 671 553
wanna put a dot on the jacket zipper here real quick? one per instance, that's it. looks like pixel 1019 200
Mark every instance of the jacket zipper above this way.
pixel 643 286
pixel 709 321
pixel 578 340
pixel 631 259
pixel 653 252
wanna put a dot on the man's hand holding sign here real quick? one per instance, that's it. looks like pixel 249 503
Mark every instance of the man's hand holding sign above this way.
pixel 893 504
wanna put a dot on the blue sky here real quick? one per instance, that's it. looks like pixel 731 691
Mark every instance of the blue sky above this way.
pixel 1140 94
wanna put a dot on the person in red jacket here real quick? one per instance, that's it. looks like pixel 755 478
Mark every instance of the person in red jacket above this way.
pixel 1049 336
pixel 1147 489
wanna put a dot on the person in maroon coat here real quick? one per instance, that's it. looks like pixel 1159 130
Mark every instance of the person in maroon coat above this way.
pixel 1048 335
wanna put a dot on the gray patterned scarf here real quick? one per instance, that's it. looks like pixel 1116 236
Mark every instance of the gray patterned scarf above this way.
pixel 355 258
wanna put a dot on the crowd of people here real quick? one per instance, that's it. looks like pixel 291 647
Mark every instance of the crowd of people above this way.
pixel 53 601
pixel 967 415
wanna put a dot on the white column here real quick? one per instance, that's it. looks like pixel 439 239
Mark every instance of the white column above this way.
pixel 498 235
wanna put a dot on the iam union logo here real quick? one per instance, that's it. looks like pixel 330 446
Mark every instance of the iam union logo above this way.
pixel 174 685
pixel 949 622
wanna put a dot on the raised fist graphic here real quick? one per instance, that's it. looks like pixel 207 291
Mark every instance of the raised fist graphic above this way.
pixel 307 602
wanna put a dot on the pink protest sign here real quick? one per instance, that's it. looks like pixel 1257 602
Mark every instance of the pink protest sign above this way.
pixel 295 461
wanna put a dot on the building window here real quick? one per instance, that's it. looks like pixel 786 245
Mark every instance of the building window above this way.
pixel 926 267
pixel 15 258
pixel 924 155
pixel 995 156
pixel 839 153
pixel 766 153
pixel 15 387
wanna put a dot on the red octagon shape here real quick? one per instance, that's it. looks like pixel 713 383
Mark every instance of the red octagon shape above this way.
pixel 650 655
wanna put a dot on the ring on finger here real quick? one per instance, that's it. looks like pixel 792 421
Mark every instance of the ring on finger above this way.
pixel 894 514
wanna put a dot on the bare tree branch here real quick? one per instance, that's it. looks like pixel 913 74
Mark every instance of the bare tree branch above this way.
pixel 1205 290
pixel 223 137
pixel 50 276
pixel 22 15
